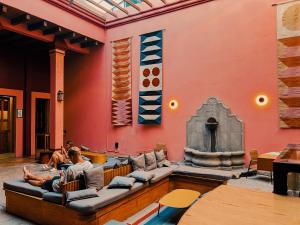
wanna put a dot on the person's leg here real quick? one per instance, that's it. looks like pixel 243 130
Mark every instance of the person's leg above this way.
pixel 28 176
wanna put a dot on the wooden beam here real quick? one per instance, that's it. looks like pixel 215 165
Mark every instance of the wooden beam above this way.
pixel 133 5
pixel 38 25
pixel 52 30
pixel 164 1
pixel 76 47
pixel 3 9
pixel 67 35
pixel 20 19
pixel 89 44
pixel 148 3
pixel 78 40
pixel 22 29
pixel 113 3
pixel 102 8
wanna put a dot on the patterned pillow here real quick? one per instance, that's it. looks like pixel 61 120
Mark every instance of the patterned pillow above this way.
pixel 138 163
pixel 150 159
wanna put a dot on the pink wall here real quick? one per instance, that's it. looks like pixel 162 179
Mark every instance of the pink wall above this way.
pixel 220 48
pixel 85 102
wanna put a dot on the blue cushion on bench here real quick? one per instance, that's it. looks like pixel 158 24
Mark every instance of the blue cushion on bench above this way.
pixel 106 197
pixel 24 187
pixel 160 173
pixel 53 197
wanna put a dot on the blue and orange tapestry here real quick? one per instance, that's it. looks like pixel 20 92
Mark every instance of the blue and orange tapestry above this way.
pixel 150 88
pixel 121 83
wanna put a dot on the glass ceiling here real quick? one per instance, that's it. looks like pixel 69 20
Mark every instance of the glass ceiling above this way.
pixel 112 9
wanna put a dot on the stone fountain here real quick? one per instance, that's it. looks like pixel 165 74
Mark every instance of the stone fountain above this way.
pixel 215 137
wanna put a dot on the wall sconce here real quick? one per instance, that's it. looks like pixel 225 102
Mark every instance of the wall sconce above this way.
pixel 261 100
pixel 60 96
pixel 173 104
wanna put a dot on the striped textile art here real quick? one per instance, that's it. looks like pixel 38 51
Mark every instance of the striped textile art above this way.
pixel 150 87
pixel 288 46
pixel 121 83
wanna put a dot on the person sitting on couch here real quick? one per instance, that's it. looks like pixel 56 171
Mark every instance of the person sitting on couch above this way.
pixel 59 157
pixel 54 184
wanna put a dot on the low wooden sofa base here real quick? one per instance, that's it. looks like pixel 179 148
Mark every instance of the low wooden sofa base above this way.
pixel 43 212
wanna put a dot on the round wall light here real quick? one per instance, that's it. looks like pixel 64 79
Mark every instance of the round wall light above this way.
pixel 261 100
pixel 173 104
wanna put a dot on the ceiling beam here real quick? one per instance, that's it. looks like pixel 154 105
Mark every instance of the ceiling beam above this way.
pixel 89 44
pixel 103 8
pixel 133 5
pixel 3 9
pixel 164 1
pixel 52 30
pixel 78 40
pixel 67 35
pixel 38 25
pixel 148 3
pixel 23 30
pixel 20 19
pixel 113 3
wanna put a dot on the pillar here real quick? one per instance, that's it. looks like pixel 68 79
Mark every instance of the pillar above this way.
pixel 56 107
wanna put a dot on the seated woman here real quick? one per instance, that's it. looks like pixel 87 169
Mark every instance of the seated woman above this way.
pixel 55 183
pixel 58 157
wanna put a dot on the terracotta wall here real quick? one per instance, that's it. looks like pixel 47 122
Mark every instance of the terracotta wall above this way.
pixel 26 71
pixel 220 48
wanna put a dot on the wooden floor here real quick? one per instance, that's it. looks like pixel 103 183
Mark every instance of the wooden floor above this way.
pixel 229 205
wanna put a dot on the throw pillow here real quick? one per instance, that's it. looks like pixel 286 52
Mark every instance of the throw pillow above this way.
pixel 160 157
pixel 81 194
pixel 138 163
pixel 94 178
pixel 121 182
pixel 142 176
pixel 150 159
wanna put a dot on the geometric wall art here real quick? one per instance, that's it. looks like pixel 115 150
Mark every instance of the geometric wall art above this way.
pixel 150 85
pixel 121 83
pixel 288 48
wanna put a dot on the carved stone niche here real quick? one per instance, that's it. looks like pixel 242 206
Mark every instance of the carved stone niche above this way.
pixel 215 137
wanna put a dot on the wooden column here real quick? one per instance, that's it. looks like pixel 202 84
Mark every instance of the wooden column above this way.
pixel 56 107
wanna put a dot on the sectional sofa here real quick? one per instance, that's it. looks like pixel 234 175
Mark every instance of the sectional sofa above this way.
pixel 43 207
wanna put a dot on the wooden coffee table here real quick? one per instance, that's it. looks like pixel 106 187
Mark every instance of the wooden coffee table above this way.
pixel 179 198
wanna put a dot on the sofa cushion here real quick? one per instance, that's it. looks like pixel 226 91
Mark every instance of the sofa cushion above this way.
pixel 142 176
pixel 203 172
pixel 53 197
pixel 106 197
pixel 150 160
pixel 94 178
pixel 24 187
pixel 138 163
pixel 160 173
pixel 121 182
pixel 81 194
pixel 160 157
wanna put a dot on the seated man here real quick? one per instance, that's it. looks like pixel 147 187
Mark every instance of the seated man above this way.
pixel 55 183
pixel 58 157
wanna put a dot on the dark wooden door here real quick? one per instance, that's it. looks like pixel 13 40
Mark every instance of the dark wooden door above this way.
pixel 7 125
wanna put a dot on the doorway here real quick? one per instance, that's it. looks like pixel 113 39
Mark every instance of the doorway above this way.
pixel 42 123
pixel 7 124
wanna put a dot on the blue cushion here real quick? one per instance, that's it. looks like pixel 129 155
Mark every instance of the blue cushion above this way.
pixel 106 197
pixel 24 187
pixel 53 197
